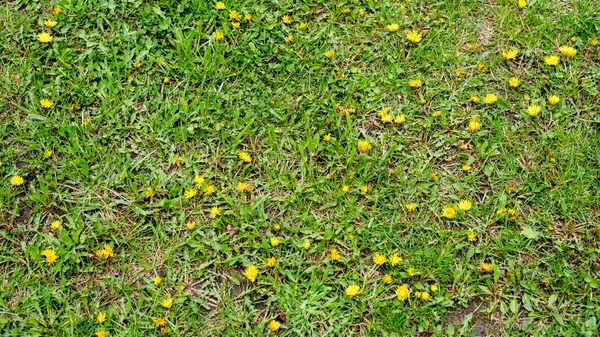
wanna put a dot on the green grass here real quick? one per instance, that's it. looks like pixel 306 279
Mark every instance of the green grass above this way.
pixel 254 92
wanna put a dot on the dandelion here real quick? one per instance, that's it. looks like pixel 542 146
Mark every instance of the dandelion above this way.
pixel 388 279
pixel 244 187
pixel 86 121
pixel 402 292
pixel 214 212
pixel 247 18
pixel 276 227
pixel 410 271
pixel 425 296
pixel 245 157
pixel 198 180
pixel 422 101
pixel 393 27
pixel 17 181
pixel 101 333
pixel 514 82
pixel 274 242
pixel 490 99
pixel 364 189
pixel 471 237
pixel 101 317
pixel 50 256
pixel 521 4
pixel 449 212
pixel 437 113
pixel 474 124
pixel 413 36
pixel 482 67
pixel 387 118
pixel 568 51
pixel 157 280
pixel 50 23
pixel 327 137
pixel 509 54
pixel 361 12
pixel 57 10
pixel 533 110
pixel 56 224
pixel 149 192
pixel 286 19
pixel 593 41
pixel 553 99
pixel 345 188
pixel 46 103
pixel 474 99
pixel 289 38
pixel 466 168
pixel 363 146
pixel 552 60
pixel 44 37
pixel 190 193
pixel 306 244
pixel 274 325
pixel 220 5
pixel 167 303
pixel 166 80
pixel 395 259
pixel 334 255
pixel 105 253
pixel 379 259
pixel 234 15
pixel 401 119
pixel 178 160
pixel 271 262
pixel 209 190
pixel 218 35
pixel 411 207
pixel 434 288
pixel 464 205
pixel 415 83
pixel 485 267
pixel 137 65
pixel 251 273
pixel 346 10
pixel 159 322
pixel 330 53
pixel 352 290
pixel 190 225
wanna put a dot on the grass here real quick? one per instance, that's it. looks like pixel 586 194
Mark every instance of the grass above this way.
pixel 145 97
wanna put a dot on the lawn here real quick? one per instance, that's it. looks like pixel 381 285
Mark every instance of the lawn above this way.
pixel 300 168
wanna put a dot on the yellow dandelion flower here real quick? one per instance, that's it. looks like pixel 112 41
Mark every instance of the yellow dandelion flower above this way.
pixel 198 180
pixel 334 255
pixel 415 83
pixel 56 224
pixel 435 177
pixel 289 38
pixel 533 110
pixel 149 192
pixel 474 124
pixel 345 188
pixel 434 288
pixel 190 225
pixel 286 19
pixel 413 36
pixel 509 54
pixel 44 37
pixel 234 15
pixel 46 103
pixel 361 12
pixel 274 325
pixel 363 146
pixel 425 296
pixel 346 10
pixel 387 278
pixel 17 181
pixel 271 262
pixel 50 256
pixel 352 290
pixel 101 333
pixel 101 317
pixel 235 25
pixel 167 303
pixel 330 53
pixel 474 99
pixel 410 271
pixel 220 5
pixel 379 259
pixel 159 322
pixel 393 27
pixel 247 18
pixel 48 154
pixel 552 60
pixel 411 207
pixel 466 168
pixel 485 267
pixel 306 244
pixel 245 157
pixel 57 10
pixel 302 25
pixel 568 51
pixel 218 35
pixel 50 23
pixel 157 280
pixel 553 99
pixel 521 4
pixel 364 189
pixel 471 237
pixel 105 253
pixel 464 205
pixel 251 273
pixel 209 190
pixel 490 99
pixel 402 292
pixel 449 212
pixel 327 137
pixel 514 82
pixel 214 212
pixel 401 119
pixel 244 187
pixel 395 259
pixel 190 193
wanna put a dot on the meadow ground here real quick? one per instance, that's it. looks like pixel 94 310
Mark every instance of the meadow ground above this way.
pixel 299 168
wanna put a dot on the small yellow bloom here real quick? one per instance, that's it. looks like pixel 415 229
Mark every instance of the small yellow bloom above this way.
pixel 105 253
pixel 474 124
pixel 395 259
pixel 251 273
pixel 387 118
pixel 57 10
pixel 101 317
pixel 101 333
pixel 413 36
pixel 47 154
pixel 410 271
pixel 277 227
pixel 471 236
pixel 552 60
pixel 289 38
pixel 274 325
pixel 244 187
pixel 509 54
pixel 190 193
pixel 190 225
pixel 361 12
pixel 568 51
pixel 379 259
pixel 137 65
pixel 346 10
pixel 167 303
pixel 464 205
pixel 490 99
pixel 485 267
pixel 247 18
pixel 514 82
pixel 411 207
pixel 474 99
pixel 435 177
pixel 434 288
pixel 44 37
pixel 466 168
pixel 533 110
pixel 56 224
pixel 50 23
pixel 214 212
pixel 334 255
pixel 218 35
pixel 306 244
pixel 402 292
pixel 364 146
pixel 330 53
pixel 209 190
pixel 422 101
pixel 436 114
pixel 393 27
pixel 593 41
pixel 46 103
pixel 415 83
pixel 198 180
pixel 220 5
pixel 235 25
pixel 157 280
pixel 274 242
pixel 245 157
pixel 286 19
pixel 149 192
pixel 364 189
pixel 449 212
pixel 302 25
pixel 345 188
pixel 234 15
pixel 553 99
pixel 522 4
pixel 352 290
pixel 401 119
pixel 327 137
pixel 271 262
pixel 388 278
pixel 425 296
pixel 17 181
pixel 159 322
pixel 50 256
